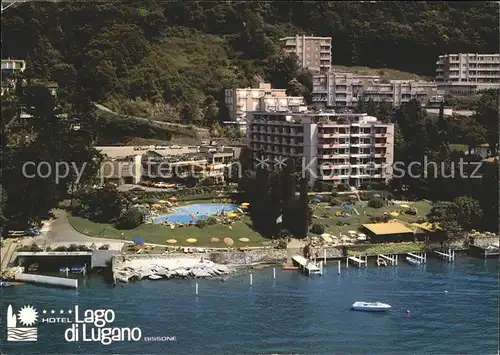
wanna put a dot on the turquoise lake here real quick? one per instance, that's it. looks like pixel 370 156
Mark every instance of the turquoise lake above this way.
pixel 291 314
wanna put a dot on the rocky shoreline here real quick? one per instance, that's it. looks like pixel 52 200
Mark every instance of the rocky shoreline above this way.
pixel 167 268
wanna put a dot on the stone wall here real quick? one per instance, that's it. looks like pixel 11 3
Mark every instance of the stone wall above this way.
pixel 484 242
pixel 250 257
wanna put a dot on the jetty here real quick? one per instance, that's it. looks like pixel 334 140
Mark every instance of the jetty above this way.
pixel 48 280
pixel 306 265
pixel 449 256
pixel 358 261
pixel 384 260
pixel 422 257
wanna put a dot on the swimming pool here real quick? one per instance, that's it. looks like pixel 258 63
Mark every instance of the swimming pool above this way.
pixel 193 213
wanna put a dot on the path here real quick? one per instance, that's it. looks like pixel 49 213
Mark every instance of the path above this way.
pixel 200 131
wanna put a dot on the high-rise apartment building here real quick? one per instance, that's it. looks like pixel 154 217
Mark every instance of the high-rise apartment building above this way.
pixel 239 101
pixel 335 89
pixel 313 53
pixel 334 148
pixel 466 73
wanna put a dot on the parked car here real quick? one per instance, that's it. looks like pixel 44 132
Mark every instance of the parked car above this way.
pixel 32 232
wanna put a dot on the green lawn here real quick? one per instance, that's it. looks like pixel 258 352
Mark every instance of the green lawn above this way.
pixel 158 234
pixel 459 147
pixel 356 221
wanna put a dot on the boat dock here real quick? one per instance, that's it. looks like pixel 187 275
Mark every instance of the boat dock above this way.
pixel 449 256
pixel 384 260
pixel 306 265
pixel 359 261
pixel 48 280
pixel 422 257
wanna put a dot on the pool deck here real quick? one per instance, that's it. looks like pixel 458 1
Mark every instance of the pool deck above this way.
pixel 193 213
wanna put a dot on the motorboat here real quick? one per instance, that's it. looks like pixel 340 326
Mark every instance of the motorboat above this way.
pixel 155 277
pixel 287 268
pixel 10 283
pixel 371 306
pixel 33 267
pixel 413 261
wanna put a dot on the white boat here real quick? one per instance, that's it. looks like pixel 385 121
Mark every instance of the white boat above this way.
pixel 371 306
pixel 155 277
pixel 413 261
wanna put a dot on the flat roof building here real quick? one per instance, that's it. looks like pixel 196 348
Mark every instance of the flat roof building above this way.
pixel 337 89
pixel 333 147
pixel 313 53
pixel 466 73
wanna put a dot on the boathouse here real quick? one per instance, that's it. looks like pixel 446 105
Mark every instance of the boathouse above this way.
pixel 389 232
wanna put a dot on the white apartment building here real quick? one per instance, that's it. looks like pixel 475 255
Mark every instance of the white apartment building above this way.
pixel 13 65
pixel 240 101
pixel 313 53
pixel 337 89
pixel 467 73
pixel 335 148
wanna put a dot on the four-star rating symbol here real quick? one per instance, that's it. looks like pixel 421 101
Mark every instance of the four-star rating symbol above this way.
pixel 279 162
pixel 52 311
pixel 262 163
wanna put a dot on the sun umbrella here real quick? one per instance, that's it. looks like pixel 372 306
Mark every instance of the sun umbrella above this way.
pixel 228 241
pixel 244 240
pixel 138 240
pixel 240 211
pixel 404 206
pixel 351 232
pixel 191 240
pixel 245 204
pixel 171 241
pixel 214 240
pixel 173 198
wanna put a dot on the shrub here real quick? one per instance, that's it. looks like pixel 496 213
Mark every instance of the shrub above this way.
pixel 326 198
pixel 35 248
pixel 73 247
pixel 342 187
pixel 104 247
pixel 130 219
pixel 335 202
pixel 284 233
pixel 83 248
pixel 411 211
pixel 201 223
pixel 24 248
pixel 61 248
pixel 211 220
pixel 208 181
pixel 334 193
pixel 378 186
pixel 376 203
pixel 365 186
pixel 339 223
pixel 364 196
pixel 376 219
pixel 318 228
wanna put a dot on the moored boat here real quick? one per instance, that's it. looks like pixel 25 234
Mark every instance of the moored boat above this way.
pixel 413 261
pixel 10 283
pixel 371 306
pixel 155 277
pixel 290 268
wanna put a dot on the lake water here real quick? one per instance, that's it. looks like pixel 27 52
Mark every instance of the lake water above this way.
pixel 292 314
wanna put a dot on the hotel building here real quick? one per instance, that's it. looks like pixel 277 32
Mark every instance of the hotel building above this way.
pixel 336 89
pixel 467 73
pixel 263 98
pixel 313 53
pixel 335 148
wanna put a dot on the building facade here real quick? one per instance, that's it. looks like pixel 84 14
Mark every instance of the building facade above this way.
pixel 467 73
pixel 333 148
pixel 13 65
pixel 240 101
pixel 164 165
pixel 336 89
pixel 313 53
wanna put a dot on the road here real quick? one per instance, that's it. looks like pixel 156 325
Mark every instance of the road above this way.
pixel 199 131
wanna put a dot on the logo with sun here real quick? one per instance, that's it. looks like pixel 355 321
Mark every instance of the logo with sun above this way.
pixel 28 316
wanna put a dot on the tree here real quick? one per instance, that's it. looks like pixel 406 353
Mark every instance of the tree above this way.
pixel 487 115
pixel 445 214
pixel 131 218
pixel 469 212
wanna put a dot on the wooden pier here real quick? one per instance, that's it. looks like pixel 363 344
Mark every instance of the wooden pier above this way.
pixel 448 256
pixel 387 260
pixel 422 257
pixel 48 280
pixel 359 261
pixel 306 265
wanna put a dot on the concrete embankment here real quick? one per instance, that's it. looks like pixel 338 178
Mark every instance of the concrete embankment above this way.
pixel 47 280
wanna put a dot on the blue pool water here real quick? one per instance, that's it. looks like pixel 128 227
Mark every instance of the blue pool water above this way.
pixel 201 210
